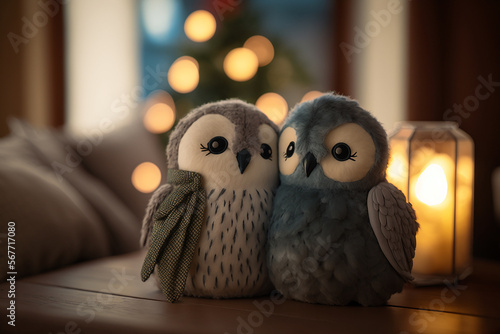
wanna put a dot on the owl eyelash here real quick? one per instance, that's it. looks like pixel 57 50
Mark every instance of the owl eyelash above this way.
pixel 342 152
pixel 290 150
pixel 216 145
pixel 204 149
pixel 350 158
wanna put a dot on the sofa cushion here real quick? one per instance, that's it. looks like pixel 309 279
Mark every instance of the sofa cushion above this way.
pixel 54 152
pixel 54 225
pixel 114 156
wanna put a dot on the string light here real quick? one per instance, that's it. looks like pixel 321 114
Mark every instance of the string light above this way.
pixel 241 64
pixel 200 26
pixel 146 177
pixel 183 75
pixel 262 47
pixel 311 95
pixel 274 106
pixel 159 118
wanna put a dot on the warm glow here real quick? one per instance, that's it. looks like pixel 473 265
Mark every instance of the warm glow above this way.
pixel 431 187
pixel 274 106
pixel 397 170
pixel 432 194
pixel 200 26
pixel 146 177
pixel 433 165
pixel 241 64
pixel 262 47
pixel 311 95
pixel 160 96
pixel 183 75
pixel 159 118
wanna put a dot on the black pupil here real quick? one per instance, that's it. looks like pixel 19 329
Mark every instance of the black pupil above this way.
pixel 265 151
pixel 290 149
pixel 217 145
pixel 341 151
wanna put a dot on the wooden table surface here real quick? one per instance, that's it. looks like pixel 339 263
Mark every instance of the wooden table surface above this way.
pixel 107 296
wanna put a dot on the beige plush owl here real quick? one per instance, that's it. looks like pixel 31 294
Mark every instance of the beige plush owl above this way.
pixel 206 228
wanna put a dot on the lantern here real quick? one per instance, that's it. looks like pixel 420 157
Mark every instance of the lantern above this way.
pixel 433 164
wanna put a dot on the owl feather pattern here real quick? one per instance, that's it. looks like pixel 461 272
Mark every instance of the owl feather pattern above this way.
pixel 231 253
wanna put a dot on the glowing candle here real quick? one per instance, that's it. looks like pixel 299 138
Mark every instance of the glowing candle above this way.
pixel 431 187
pixel 432 197
pixel 432 163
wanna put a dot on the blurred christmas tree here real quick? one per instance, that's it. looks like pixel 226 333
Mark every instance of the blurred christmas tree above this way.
pixel 236 23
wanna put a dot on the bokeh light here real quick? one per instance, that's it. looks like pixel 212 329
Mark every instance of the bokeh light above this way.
pixel 159 17
pixel 311 95
pixel 274 106
pixel 183 75
pixel 159 118
pixel 160 95
pixel 241 64
pixel 146 177
pixel 200 26
pixel 262 47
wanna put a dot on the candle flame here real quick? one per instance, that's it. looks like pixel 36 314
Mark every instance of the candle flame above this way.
pixel 431 187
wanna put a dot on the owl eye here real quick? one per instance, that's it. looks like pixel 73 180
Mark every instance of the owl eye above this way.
pixel 342 152
pixel 265 151
pixel 288 157
pixel 352 153
pixel 216 145
pixel 290 150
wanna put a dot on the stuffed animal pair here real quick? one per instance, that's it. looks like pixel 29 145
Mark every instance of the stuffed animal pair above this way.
pixel 310 214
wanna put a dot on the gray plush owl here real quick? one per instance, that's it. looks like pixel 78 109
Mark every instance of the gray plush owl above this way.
pixel 206 229
pixel 339 232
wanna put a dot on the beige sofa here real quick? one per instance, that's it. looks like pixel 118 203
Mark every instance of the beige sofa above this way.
pixel 70 196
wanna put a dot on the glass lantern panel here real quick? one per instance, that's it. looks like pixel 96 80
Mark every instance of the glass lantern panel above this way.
pixel 464 205
pixel 432 194
pixel 397 168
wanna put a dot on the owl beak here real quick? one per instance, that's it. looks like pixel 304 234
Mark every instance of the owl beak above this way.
pixel 243 158
pixel 309 163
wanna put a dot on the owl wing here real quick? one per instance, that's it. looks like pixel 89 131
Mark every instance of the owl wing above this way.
pixel 147 222
pixel 394 223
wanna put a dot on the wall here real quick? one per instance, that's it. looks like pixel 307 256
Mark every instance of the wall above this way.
pixel 31 58
pixel 102 61
pixel 454 75
pixel 371 52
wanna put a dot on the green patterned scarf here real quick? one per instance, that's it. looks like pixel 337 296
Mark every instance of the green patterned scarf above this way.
pixel 176 230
